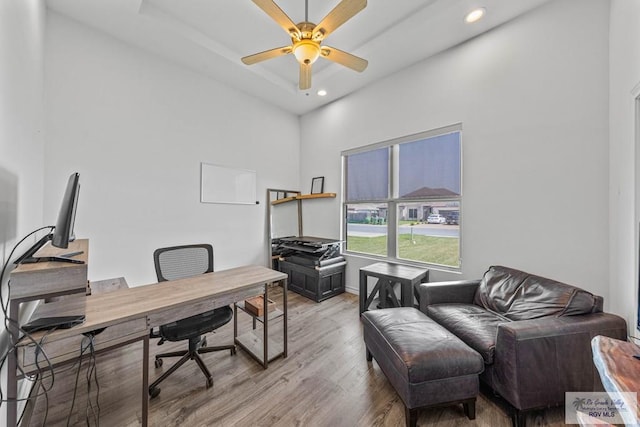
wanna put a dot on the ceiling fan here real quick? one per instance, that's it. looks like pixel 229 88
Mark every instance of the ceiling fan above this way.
pixel 306 38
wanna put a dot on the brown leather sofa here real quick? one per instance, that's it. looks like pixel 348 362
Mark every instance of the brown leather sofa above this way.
pixel 533 333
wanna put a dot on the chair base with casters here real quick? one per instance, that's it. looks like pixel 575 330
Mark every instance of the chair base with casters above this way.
pixel 197 345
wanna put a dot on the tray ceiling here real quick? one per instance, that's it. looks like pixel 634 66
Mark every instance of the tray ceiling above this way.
pixel 210 37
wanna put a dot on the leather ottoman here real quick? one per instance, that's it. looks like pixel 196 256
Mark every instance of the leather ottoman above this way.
pixel 426 364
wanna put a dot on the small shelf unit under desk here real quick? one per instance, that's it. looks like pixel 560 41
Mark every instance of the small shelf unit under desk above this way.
pixel 255 345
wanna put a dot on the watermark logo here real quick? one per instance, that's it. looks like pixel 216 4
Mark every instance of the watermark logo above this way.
pixel 601 408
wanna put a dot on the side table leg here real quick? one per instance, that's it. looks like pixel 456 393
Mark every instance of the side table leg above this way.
pixel 406 296
pixel 363 291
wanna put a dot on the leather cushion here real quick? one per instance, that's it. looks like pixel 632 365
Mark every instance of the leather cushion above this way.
pixel 474 325
pixel 419 348
pixel 521 296
pixel 197 325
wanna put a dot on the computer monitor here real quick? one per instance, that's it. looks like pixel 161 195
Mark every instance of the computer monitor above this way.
pixel 62 233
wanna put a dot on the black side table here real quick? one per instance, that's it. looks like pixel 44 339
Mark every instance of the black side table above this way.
pixel 388 275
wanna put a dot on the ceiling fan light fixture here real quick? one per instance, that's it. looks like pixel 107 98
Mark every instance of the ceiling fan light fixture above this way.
pixel 306 51
pixel 475 15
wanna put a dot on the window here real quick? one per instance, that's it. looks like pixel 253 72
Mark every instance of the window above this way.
pixel 403 198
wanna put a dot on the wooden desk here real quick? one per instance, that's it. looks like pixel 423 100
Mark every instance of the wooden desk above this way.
pixel 619 370
pixel 388 275
pixel 127 315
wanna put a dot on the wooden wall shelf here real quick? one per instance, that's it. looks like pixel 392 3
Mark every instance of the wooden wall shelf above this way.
pixel 285 200
pixel 304 196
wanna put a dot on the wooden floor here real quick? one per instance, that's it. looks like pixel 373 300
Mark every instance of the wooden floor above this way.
pixel 325 381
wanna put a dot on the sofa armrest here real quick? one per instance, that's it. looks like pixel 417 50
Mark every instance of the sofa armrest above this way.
pixel 459 291
pixel 536 361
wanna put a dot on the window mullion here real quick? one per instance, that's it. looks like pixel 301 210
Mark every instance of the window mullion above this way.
pixel 392 230
pixel 392 225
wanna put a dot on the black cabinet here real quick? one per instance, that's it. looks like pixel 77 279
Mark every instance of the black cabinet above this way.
pixel 315 282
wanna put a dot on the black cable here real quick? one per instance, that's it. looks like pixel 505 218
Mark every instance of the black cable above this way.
pixel 41 374
pixel 75 387
pixel 46 410
pixel 45 390
pixel 42 377
pixel 97 389
pixel 92 371
pixel 88 378
pixel 38 350
pixel 95 376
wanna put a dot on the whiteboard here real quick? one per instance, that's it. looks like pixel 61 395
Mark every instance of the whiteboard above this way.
pixel 220 184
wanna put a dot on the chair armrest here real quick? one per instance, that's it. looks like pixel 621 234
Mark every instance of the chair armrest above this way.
pixel 536 361
pixel 459 291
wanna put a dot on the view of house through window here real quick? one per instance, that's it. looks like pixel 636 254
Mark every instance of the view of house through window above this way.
pixel 367 228
pixel 403 198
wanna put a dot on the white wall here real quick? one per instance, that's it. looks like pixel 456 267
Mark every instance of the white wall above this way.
pixel 21 116
pixel 136 128
pixel 624 164
pixel 21 136
pixel 532 96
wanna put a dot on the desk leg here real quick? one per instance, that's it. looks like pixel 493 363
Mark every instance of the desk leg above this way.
pixel 145 381
pixel 12 366
pixel 235 322
pixel 265 340
pixel 284 303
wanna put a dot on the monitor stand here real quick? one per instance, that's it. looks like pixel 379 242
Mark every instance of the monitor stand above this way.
pixel 33 260
pixel 28 258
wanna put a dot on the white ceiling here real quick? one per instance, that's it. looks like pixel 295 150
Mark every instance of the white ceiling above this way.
pixel 210 37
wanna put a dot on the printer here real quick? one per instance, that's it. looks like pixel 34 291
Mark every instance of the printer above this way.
pixel 307 250
pixel 314 265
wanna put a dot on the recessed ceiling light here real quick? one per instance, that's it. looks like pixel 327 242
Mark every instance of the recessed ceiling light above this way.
pixel 322 92
pixel 475 15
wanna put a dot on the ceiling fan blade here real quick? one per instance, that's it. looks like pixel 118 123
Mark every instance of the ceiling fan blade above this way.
pixel 278 15
pixel 343 58
pixel 305 76
pixel 267 54
pixel 340 14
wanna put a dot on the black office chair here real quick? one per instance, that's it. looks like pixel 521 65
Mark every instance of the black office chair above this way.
pixel 178 262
